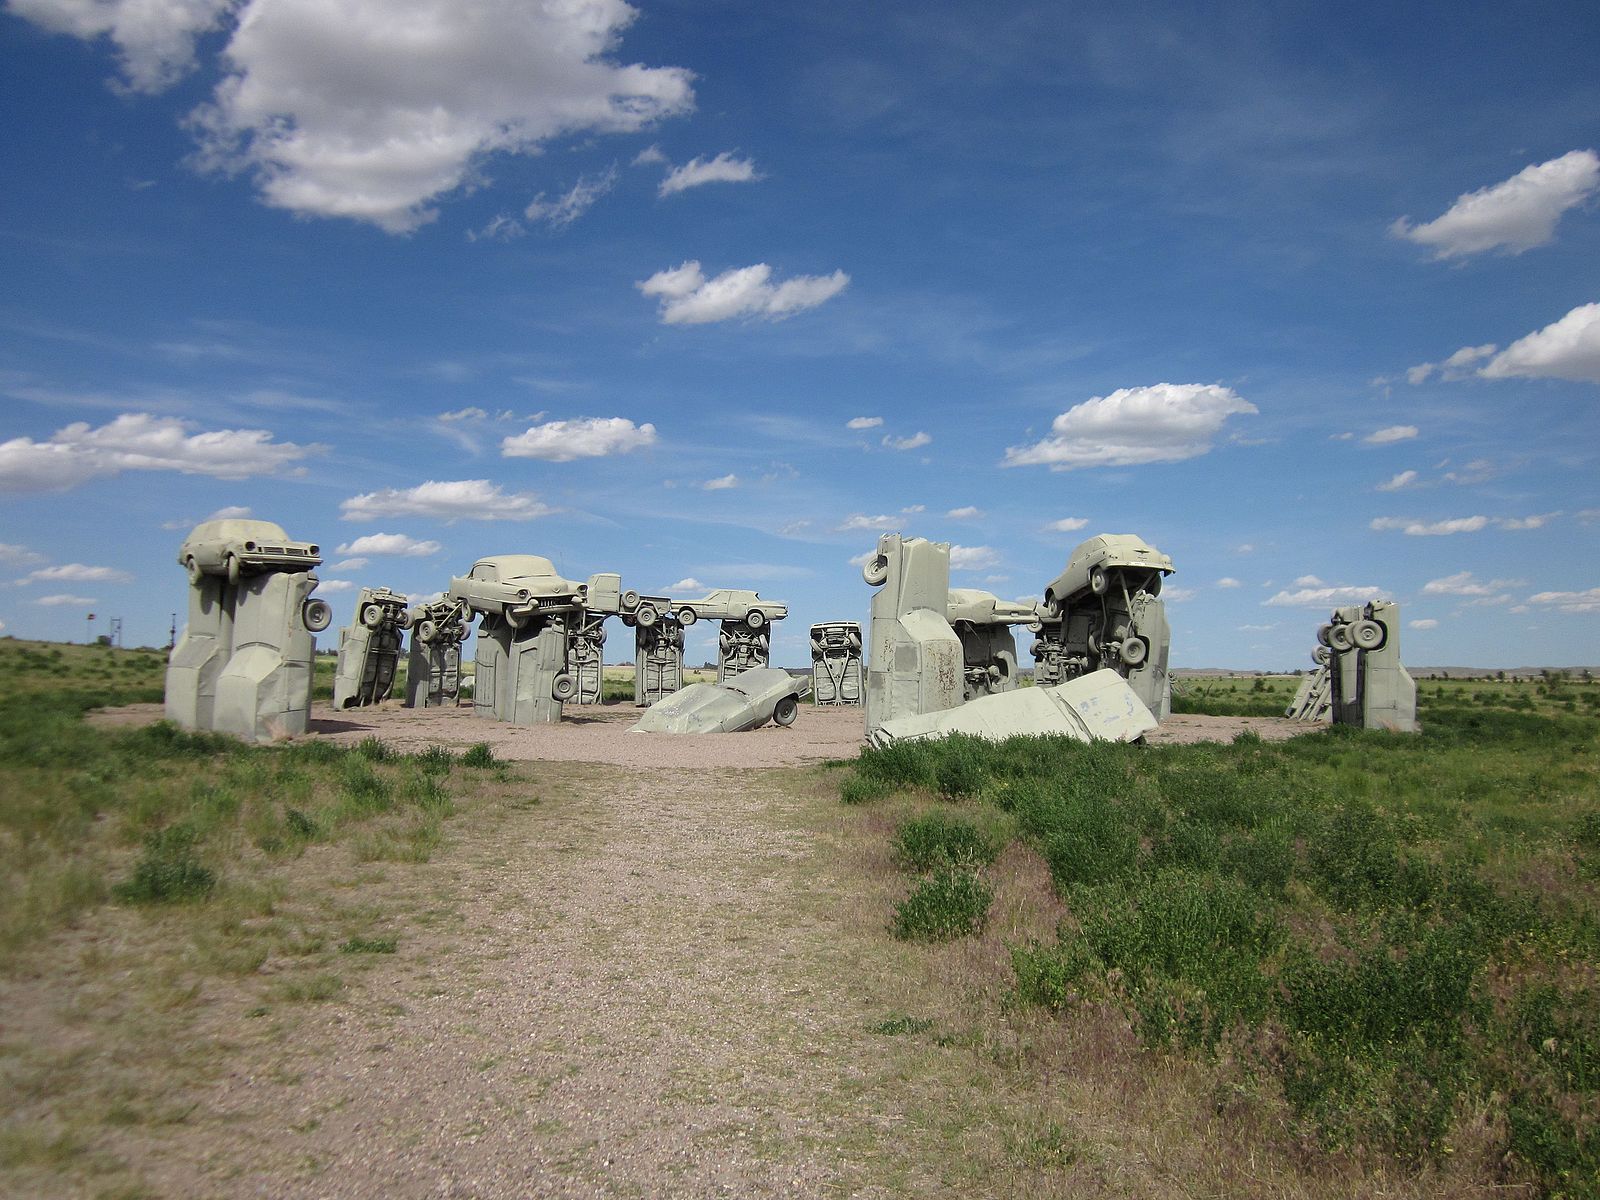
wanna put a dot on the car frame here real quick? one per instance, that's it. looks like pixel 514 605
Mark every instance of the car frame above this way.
pixel 747 701
pixel 234 546
pixel 516 588
pixel 731 604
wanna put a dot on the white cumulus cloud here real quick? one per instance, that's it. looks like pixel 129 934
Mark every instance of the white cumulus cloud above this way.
pixel 687 584
pixel 1067 525
pixel 1572 602
pixel 400 545
pixel 372 109
pixel 587 437
pixel 863 422
pixel 687 297
pixel 349 564
pixel 1392 433
pixel 1464 583
pixel 13 555
pixel 61 599
pixel 1396 482
pixel 154 38
pixel 1228 581
pixel 724 168
pixel 1522 524
pixel 855 521
pixel 968 512
pixel 76 573
pixel 1323 597
pixel 1418 528
pixel 1516 215
pixel 1423 623
pixel 140 442
pixel 446 500
pixel 1567 349
pixel 973 558
pixel 915 442
pixel 721 483
pixel 1163 423
pixel 336 585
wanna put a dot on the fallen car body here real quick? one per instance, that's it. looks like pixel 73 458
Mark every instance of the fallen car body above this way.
pixel 747 701
pixel 1098 707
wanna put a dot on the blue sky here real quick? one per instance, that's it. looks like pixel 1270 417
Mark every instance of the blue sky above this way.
pixel 711 293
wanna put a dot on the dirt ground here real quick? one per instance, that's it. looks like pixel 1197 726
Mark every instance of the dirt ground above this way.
pixel 601 735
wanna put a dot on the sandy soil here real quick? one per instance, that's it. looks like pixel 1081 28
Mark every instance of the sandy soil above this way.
pixel 601 735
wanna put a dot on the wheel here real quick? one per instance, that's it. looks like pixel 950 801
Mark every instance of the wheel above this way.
pixel 1099 581
pixel 876 570
pixel 1339 638
pixel 372 615
pixel 427 631
pixel 1322 635
pixel 195 573
pixel 687 615
pixel 563 686
pixel 1036 648
pixel 755 618
pixel 462 632
pixel 1321 656
pixel 788 709
pixel 1367 634
pixel 317 615
pixel 515 620
pixel 404 619
pixel 1133 651
pixel 854 642
pixel 232 564
pixel 647 615
pixel 630 600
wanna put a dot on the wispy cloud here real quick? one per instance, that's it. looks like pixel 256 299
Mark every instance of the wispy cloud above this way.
pixel 447 500
pixel 687 297
pixel 724 168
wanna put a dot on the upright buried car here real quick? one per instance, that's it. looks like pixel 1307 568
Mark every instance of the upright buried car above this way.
pixel 515 587
pixel 747 701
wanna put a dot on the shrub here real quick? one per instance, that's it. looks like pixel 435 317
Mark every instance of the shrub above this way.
pixel 374 750
pixel 169 872
pixel 952 902
pixel 479 754
pixel 935 839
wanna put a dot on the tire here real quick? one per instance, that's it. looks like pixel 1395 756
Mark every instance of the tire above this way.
pixel 630 600
pixel 1367 634
pixel 1322 656
pixel 787 710
pixel 195 573
pixel 687 615
pixel 755 618
pixel 854 642
pixel 1322 635
pixel 1036 649
pixel 1339 638
pixel 563 687
pixel 427 631
pixel 231 562
pixel 317 615
pixel 514 620
pixel 403 621
pixel 1099 581
pixel 1133 651
pixel 372 615
pixel 876 570
pixel 647 615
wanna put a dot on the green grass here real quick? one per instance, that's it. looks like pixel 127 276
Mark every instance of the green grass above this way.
pixel 1389 935
pixel 948 903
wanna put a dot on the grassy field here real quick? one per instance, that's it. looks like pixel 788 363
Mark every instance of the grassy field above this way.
pixel 1379 948
pixel 1346 964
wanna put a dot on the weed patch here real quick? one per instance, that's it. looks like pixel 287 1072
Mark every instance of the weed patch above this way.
pixel 952 902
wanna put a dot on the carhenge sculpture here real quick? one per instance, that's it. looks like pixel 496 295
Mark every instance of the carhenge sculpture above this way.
pixel 369 649
pixel 657 646
pixel 1103 612
pixel 745 640
pixel 1367 685
pixel 914 664
pixel 988 649
pixel 836 668
pixel 521 662
pixel 433 671
pixel 243 664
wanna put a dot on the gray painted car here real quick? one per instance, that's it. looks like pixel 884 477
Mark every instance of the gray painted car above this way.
pixel 731 604
pixel 747 701
pixel 235 546
pixel 515 587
